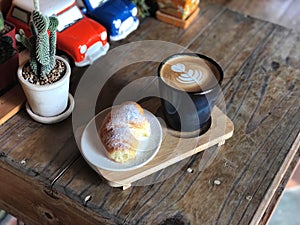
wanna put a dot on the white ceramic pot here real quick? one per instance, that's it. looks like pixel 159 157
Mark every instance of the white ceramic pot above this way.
pixel 47 100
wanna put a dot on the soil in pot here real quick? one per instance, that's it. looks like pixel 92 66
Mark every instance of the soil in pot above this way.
pixel 56 74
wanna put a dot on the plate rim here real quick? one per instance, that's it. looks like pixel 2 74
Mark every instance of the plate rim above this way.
pixel 97 167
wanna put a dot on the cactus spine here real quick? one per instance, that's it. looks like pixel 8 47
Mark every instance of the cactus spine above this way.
pixel 42 46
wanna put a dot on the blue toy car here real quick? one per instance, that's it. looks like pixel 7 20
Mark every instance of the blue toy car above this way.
pixel 119 17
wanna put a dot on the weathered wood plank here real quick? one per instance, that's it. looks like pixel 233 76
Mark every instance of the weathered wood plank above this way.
pixel 271 10
pixel 121 206
pixel 279 191
pixel 275 11
pixel 37 150
pixel 261 87
pixel 260 98
pixel 36 204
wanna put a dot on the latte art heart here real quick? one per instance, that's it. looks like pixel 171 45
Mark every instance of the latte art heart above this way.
pixel 179 67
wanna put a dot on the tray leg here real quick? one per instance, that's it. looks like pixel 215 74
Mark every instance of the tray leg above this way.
pixel 221 143
pixel 115 184
pixel 126 186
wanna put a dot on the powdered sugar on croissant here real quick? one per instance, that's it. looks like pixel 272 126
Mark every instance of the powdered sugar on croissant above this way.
pixel 122 129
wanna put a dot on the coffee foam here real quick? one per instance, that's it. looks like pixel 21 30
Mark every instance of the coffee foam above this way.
pixel 189 73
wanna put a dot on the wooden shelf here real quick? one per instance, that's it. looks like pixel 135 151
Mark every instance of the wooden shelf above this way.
pixel 11 103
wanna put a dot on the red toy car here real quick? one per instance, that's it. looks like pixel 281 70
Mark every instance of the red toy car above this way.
pixel 78 37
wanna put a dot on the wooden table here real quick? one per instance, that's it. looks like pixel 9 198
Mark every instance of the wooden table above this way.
pixel 45 180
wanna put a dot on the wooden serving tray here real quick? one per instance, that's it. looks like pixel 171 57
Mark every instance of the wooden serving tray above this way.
pixel 174 149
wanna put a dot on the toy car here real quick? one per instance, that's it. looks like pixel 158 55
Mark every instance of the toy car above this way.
pixel 78 37
pixel 119 17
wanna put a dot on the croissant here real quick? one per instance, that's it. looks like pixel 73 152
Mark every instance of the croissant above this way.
pixel 122 130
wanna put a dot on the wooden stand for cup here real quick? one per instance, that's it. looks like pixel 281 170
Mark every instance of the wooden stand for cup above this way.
pixel 221 129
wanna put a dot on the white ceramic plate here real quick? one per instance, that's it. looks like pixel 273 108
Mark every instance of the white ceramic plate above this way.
pixel 94 152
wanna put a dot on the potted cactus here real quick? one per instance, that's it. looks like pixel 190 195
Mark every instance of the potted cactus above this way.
pixel 8 55
pixel 45 77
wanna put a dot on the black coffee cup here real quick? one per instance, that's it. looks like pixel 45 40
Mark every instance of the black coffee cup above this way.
pixel 189 85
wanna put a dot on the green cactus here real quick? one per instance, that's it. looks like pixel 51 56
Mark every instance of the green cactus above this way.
pixel 1 22
pixel 36 4
pixel 6 48
pixel 41 45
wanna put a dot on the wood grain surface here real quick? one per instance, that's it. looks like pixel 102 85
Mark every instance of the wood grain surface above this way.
pixel 233 184
pixel 11 102
pixel 280 12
